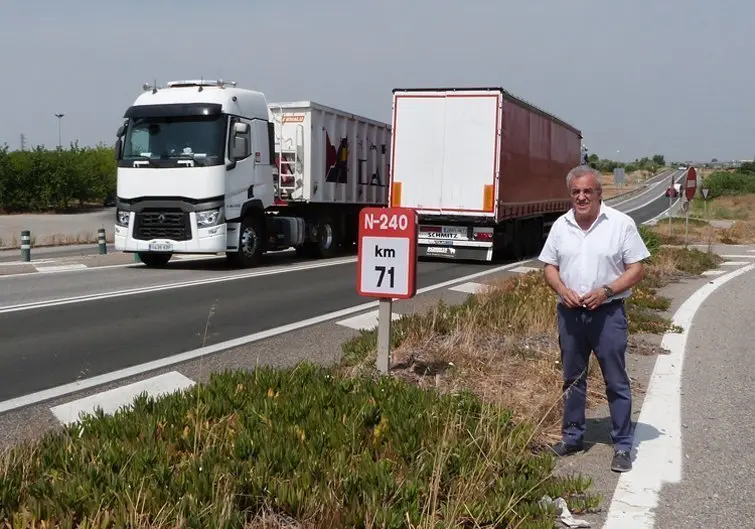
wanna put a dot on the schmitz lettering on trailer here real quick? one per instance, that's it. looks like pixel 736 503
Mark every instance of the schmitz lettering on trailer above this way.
pixel 387 252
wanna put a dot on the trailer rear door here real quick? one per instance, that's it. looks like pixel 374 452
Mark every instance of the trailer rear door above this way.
pixel 445 155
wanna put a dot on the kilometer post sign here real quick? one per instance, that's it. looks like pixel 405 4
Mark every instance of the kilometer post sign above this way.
pixel 387 258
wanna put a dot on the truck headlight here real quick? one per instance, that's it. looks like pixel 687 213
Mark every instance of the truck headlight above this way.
pixel 122 218
pixel 208 218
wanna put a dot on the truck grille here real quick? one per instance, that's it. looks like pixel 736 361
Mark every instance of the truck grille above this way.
pixel 162 224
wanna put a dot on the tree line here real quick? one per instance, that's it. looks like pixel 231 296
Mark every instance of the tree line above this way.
pixel 40 179
pixel 647 163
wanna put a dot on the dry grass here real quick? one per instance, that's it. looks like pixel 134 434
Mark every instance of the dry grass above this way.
pixel 502 344
pixel 633 181
pixel 738 209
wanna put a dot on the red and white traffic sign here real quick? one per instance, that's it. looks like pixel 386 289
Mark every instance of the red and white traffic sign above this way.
pixel 387 258
pixel 690 183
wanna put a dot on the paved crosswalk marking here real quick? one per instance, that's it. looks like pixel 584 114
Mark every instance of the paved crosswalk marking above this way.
pixel 525 269
pixel 364 322
pixel 111 400
pixel 60 268
pixel 469 288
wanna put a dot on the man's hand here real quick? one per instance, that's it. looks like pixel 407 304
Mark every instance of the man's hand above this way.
pixel 594 298
pixel 571 298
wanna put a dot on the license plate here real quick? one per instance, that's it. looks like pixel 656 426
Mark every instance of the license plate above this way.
pixel 160 247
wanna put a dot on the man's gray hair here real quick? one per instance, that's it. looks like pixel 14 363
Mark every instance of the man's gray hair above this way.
pixel 583 170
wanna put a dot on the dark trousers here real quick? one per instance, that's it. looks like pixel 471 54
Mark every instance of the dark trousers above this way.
pixel 605 332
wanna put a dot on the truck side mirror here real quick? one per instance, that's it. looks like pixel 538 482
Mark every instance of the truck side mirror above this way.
pixel 117 148
pixel 241 144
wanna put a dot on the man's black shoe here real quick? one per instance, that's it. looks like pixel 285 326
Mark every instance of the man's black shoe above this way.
pixel 562 449
pixel 621 461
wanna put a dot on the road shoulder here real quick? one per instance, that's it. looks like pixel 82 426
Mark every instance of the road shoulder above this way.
pixel 595 461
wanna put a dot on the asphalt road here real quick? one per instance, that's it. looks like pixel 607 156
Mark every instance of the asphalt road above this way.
pixel 717 454
pixel 48 346
pixel 61 344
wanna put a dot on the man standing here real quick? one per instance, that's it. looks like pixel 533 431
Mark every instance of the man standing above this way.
pixel 593 257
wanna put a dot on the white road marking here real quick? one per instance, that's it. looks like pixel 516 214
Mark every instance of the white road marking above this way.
pixel 170 286
pixel 648 188
pixel 714 272
pixel 60 268
pixel 734 263
pixel 659 458
pixel 112 400
pixel 676 178
pixel 737 256
pixel 526 269
pixel 66 389
pixel 471 287
pixel 366 321
pixel 33 262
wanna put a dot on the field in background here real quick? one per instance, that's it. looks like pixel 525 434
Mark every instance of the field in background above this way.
pixel 634 181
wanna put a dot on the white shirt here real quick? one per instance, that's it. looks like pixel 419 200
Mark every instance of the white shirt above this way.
pixel 589 259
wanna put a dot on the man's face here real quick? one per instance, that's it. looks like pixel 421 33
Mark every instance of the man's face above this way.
pixel 585 195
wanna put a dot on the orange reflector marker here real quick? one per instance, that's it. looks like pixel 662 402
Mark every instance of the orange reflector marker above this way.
pixel 396 194
pixel 487 201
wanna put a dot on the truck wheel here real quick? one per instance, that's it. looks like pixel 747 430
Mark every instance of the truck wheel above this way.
pixel 250 244
pixel 154 260
pixel 327 238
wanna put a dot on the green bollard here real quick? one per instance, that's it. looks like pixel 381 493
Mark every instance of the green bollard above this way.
pixel 136 257
pixel 26 246
pixel 101 241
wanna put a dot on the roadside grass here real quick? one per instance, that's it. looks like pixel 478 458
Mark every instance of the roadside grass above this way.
pixel 502 344
pixel 270 447
pixel 453 439
pixel 700 231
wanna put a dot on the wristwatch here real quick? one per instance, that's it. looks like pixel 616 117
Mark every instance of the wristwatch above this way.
pixel 608 290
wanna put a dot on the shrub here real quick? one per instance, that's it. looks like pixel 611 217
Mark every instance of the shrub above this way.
pixel 303 443
pixel 726 183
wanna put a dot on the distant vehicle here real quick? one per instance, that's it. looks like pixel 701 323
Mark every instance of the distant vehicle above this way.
pixel 485 171
pixel 206 167
pixel 674 191
pixel 682 168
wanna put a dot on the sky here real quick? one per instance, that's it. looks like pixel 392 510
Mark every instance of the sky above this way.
pixel 637 77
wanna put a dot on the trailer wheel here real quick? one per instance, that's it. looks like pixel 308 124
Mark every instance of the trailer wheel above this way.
pixel 250 244
pixel 154 260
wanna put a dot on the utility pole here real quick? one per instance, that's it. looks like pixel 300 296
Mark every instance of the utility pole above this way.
pixel 23 142
pixel 60 136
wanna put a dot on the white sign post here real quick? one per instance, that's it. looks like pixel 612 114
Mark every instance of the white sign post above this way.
pixel 387 266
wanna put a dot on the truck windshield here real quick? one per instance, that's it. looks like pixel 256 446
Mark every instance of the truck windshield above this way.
pixel 171 141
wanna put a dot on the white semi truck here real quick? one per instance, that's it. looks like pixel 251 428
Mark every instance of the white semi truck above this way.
pixel 205 167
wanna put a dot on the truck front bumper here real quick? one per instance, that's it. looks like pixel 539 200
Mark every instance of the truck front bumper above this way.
pixel 210 240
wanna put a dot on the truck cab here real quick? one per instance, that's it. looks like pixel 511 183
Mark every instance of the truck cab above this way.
pixel 195 172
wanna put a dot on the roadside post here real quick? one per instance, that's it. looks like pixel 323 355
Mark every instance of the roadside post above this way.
pixel 387 266
pixel 101 241
pixel 25 246
pixel 671 190
pixel 705 191
pixel 690 187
